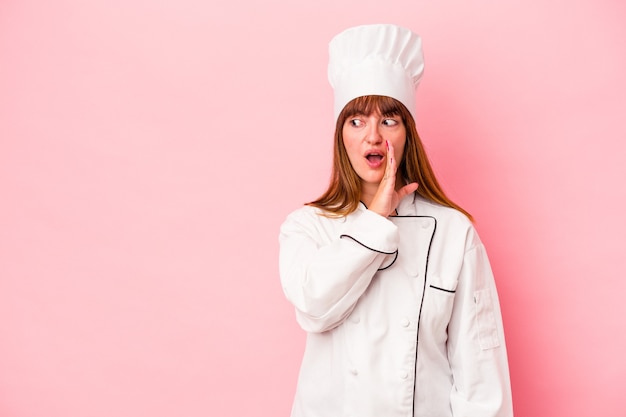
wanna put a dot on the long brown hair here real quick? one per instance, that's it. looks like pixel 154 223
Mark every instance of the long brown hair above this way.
pixel 344 191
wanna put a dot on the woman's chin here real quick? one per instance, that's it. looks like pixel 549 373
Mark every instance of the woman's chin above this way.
pixel 371 180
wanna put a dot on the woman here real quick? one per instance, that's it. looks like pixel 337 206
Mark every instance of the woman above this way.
pixel 387 275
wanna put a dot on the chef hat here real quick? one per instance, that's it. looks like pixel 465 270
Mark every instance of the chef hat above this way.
pixel 382 59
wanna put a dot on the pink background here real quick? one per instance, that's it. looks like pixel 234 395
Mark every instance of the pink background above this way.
pixel 149 151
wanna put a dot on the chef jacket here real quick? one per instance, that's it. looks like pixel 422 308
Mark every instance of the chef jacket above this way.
pixel 401 313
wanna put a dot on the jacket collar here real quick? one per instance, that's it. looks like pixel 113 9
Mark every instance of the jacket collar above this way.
pixel 407 206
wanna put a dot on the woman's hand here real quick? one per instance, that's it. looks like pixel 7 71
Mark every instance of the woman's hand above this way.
pixel 387 198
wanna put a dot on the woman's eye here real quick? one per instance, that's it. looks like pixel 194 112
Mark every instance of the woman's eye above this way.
pixel 390 122
pixel 356 122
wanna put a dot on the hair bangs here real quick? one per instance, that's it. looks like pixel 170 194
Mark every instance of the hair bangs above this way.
pixel 366 105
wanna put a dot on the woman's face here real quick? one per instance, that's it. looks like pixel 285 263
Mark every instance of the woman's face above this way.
pixel 364 138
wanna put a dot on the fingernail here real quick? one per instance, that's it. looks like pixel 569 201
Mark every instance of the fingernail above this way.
pixel 387 143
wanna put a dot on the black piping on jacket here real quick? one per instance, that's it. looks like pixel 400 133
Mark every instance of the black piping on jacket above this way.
pixel 419 316
pixel 374 250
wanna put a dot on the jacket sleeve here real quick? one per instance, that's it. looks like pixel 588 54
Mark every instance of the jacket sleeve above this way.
pixel 476 348
pixel 323 275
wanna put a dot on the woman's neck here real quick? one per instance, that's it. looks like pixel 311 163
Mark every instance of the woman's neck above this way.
pixel 368 191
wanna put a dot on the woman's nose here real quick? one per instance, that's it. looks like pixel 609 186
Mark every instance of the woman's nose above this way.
pixel 373 134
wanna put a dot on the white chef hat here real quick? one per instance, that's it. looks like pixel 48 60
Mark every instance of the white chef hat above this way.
pixel 380 59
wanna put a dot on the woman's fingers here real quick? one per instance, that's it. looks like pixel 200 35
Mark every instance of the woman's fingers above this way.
pixel 406 190
pixel 387 198
pixel 390 168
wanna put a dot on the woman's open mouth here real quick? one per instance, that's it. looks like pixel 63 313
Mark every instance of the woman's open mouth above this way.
pixel 374 159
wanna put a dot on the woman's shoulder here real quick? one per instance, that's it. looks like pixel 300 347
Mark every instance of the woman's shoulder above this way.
pixel 315 222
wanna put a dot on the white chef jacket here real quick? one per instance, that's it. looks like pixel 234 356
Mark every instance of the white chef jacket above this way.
pixel 401 313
